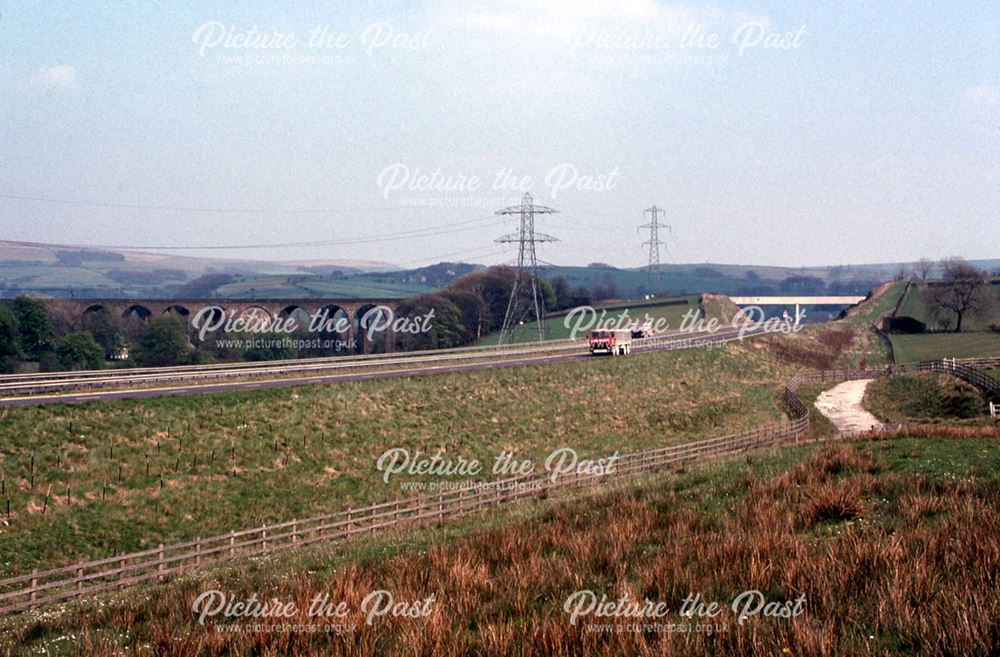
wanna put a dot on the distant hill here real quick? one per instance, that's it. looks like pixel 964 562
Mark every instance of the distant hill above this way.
pixel 49 270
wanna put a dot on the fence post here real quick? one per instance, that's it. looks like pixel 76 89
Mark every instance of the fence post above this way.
pixel 79 582
pixel 34 584
pixel 159 562
pixel 232 541
pixel 350 520
pixel 295 531
pixel 440 507
pixel 263 537
pixel 197 552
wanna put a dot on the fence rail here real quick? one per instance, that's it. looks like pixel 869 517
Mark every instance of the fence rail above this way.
pixel 89 578
pixel 987 385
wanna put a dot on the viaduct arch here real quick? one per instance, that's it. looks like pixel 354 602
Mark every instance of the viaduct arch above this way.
pixel 343 314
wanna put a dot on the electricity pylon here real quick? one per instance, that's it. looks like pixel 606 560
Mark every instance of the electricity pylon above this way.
pixel 527 267
pixel 654 243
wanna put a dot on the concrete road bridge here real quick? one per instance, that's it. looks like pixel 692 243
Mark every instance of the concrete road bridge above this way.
pixel 797 301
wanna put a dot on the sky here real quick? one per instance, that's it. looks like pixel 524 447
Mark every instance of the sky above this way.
pixel 769 133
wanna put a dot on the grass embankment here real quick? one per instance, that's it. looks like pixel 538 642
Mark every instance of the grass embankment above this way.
pixel 923 397
pixel 934 346
pixel 222 462
pixel 830 346
pixel 882 302
pixel 667 311
pixel 894 546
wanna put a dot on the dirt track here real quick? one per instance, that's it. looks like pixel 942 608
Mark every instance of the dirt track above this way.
pixel 842 405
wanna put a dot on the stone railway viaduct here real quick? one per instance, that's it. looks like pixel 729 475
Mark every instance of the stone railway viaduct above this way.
pixel 72 313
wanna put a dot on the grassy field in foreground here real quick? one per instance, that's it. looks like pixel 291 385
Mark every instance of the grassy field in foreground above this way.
pixel 222 462
pixel 932 346
pixel 894 546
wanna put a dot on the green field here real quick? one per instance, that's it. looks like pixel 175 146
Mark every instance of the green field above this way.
pixel 913 306
pixel 218 462
pixel 668 310
pixel 933 346
pixel 295 287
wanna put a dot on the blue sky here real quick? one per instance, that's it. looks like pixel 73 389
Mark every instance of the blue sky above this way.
pixel 807 134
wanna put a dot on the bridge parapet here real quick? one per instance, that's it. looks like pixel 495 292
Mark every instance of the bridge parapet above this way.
pixel 797 300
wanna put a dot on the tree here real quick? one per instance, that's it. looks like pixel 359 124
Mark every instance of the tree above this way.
pixel 445 328
pixel 924 268
pixel 963 292
pixel 10 335
pixel 33 324
pixel 79 351
pixel 803 285
pixel 474 313
pixel 106 331
pixel 548 296
pixel 561 290
pixel 165 342
pixel 493 286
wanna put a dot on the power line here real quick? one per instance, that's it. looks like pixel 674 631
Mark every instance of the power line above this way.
pixel 184 208
pixel 443 229
pixel 478 250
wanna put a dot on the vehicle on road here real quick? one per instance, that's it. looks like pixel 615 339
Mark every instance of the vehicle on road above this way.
pixel 615 342
pixel 642 329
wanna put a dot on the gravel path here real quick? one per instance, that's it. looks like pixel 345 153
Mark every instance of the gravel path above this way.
pixel 842 404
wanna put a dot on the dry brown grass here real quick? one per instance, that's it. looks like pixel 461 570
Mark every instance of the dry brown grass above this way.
pixel 889 564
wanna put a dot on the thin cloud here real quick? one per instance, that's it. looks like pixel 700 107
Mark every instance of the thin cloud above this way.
pixel 62 76
pixel 984 95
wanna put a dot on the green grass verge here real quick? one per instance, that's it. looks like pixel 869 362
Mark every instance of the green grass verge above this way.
pixel 933 346
pixel 923 396
pixel 219 462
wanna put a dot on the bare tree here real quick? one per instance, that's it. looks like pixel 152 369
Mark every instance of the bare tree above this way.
pixel 924 268
pixel 963 292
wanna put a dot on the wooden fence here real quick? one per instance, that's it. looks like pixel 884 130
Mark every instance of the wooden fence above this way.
pixel 987 385
pixel 89 578
pixel 85 579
